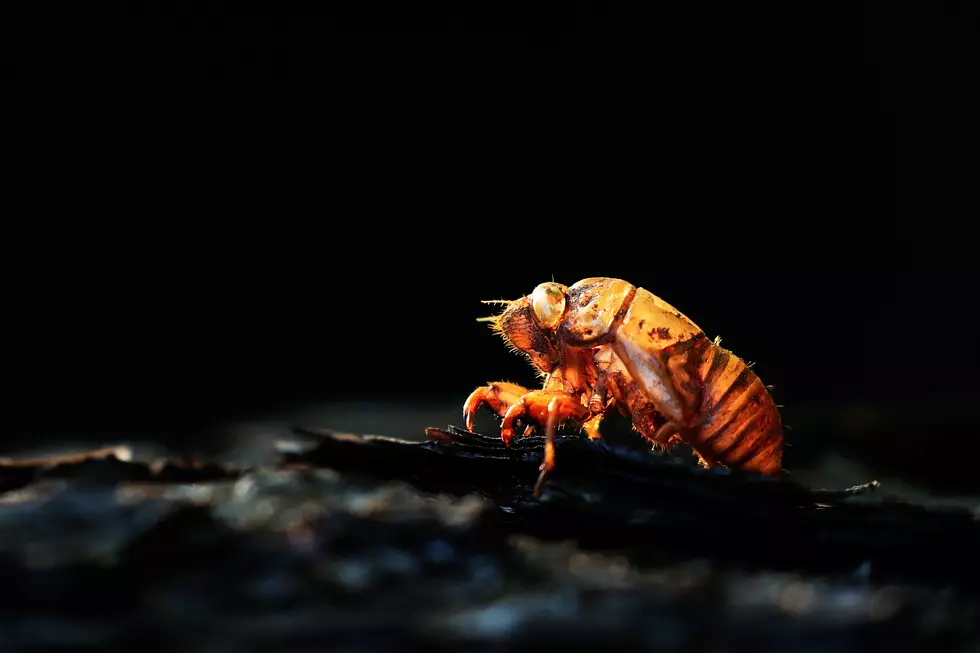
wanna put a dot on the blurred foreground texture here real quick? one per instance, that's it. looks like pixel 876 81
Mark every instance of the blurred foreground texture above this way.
pixel 350 543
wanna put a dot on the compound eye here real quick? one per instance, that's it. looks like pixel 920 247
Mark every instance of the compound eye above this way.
pixel 548 301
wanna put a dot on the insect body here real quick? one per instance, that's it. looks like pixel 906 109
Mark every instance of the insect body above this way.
pixel 602 343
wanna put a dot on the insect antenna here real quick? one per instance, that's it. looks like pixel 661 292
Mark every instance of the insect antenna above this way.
pixel 494 319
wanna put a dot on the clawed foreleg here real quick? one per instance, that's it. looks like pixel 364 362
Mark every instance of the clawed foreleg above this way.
pixel 498 396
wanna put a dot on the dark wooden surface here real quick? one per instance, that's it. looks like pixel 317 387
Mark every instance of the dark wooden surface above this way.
pixel 376 544
pixel 609 497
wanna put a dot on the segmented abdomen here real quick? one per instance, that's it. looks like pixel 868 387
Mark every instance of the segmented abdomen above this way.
pixel 740 425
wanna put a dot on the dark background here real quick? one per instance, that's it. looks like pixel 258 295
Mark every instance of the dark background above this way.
pixel 233 209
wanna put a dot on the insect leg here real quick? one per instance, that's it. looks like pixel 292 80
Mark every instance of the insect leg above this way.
pixel 513 413
pixel 532 408
pixel 604 396
pixel 548 463
pixel 560 408
pixel 499 396
pixel 597 406
pixel 591 427
pixel 669 434
pixel 666 432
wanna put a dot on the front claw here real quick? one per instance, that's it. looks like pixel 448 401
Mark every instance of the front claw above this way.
pixel 551 409
pixel 473 403
pixel 499 396
pixel 535 407
pixel 543 407
pixel 513 413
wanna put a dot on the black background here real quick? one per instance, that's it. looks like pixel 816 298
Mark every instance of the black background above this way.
pixel 230 208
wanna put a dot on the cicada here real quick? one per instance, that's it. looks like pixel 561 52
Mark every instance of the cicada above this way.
pixel 603 343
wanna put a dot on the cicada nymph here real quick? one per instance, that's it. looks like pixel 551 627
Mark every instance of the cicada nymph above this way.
pixel 604 343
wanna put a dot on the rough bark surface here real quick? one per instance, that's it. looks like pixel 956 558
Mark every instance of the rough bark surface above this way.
pixel 369 543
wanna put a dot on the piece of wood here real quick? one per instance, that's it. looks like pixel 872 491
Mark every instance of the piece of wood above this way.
pixel 108 465
pixel 605 497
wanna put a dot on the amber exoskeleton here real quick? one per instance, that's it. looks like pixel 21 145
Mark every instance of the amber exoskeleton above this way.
pixel 604 343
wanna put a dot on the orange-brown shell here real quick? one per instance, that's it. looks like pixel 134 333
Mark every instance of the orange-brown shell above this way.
pixel 593 309
pixel 725 412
